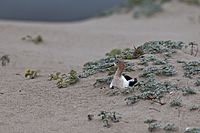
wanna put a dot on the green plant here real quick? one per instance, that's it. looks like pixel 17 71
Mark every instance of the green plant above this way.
pixel 128 90
pixel 148 121
pixel 108 117
pixel 188 91
pixel 103 81
pixel 113 92
pixel 165 70
pixel 197 83
pixel 149 71
pixel 156 47
pixel 55 76
pixel 145 59
pixel 131 99
pixel 194 107
pixel 151 89
pixel 176 103
pixel 31 74
pixel 4 60
pixel 153 124
pixel 38 39
pixel 103 65
pixel 126 54
pixel 192 130
pixel 153 127
pixel 159 62
pixel 191 68
pixel 170 127
pixel 64 80
pixel 114 53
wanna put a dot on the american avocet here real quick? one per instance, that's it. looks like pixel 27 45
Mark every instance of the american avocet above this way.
pixel 120 80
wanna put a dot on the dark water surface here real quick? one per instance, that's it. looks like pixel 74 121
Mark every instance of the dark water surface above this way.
pixel 53 10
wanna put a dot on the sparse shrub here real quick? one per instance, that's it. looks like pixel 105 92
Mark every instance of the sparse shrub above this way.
pixel 31 74
pixel 153 127
pixel 192 130
pixel 156 47
pixel 170 127
pixel 159 62
pixel 38 39
pixel 149 71
pixel 194 107
pixel 114 53
pixel 103 81
pixel 188 91
pixel 165 70
pixel 64 80
pixel 191 68
pixel 151 89
pixel 128 90
pixel 102 65
pixel 108 117
pixel 148 121
pixel 144 60
pixel 126 54
pixel 197 83
pixel 4 60
pixel 131 100
pixel 176 103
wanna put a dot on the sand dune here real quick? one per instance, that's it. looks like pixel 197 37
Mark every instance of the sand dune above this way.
pixel 38 106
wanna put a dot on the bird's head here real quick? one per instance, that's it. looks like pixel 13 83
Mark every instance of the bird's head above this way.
pixel 119 63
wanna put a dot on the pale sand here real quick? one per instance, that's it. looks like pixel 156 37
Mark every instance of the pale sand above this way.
pixel 38 106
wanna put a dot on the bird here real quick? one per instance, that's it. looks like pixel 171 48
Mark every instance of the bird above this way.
pixel 120 80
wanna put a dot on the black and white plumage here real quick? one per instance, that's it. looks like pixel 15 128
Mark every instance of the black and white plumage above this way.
pixel 121 80
pixel 131 82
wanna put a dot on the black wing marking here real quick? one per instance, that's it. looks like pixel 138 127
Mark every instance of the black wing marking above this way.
pixel 112 87
pixel 127 77
pixel 132 83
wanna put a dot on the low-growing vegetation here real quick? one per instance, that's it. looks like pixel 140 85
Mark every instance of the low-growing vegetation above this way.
pixel 176 102
pixel 197 83
pixel 194 107
pixel 31 74
pixel 155 59
pixel 191 69
pixel 36 40
pixel 192 130
pixel 170 127
pixel 107 118
pixel 188 91
pixel 5 60
pixel 156 125
pixel 64 80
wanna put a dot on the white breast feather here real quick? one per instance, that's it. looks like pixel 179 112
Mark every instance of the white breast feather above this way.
pixel 120 82
pixel 125 82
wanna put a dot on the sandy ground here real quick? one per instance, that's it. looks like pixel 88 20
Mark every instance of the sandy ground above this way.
pixel 38 106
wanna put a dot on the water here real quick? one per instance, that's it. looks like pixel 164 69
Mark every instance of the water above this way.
pixel 53 10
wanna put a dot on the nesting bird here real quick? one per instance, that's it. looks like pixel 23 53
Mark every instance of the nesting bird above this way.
pixel 120 80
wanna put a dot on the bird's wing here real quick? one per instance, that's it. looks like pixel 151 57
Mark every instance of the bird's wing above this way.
pixel 127 77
